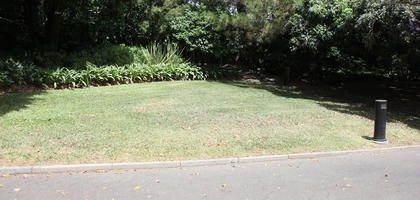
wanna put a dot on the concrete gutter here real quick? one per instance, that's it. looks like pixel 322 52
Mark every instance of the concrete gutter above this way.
pixel 189 163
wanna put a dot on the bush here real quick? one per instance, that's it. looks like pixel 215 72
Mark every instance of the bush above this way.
pixel 118 55
pixel 101 56
pixel 194 30
pixel 15 73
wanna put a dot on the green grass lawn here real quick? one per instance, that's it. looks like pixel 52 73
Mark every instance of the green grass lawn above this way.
pixel 179 120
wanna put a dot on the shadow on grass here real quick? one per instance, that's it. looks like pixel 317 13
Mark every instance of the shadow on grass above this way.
pixel 403 105
pixel 367 137
pixel 16 102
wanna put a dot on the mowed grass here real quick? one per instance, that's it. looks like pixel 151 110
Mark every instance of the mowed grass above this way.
pixel 177 120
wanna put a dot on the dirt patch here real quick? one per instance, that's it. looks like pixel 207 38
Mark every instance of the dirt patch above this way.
pixel 20 89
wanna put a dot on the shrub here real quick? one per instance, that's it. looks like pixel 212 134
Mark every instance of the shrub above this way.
pixel 118 55
pixel 157 54
pixel 94 75
pixel 101 56
pixel 17 73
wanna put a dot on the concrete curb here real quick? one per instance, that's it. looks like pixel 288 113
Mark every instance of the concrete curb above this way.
pixel 146 165
pixel 263 158
pixel 221 161
pixel 189 163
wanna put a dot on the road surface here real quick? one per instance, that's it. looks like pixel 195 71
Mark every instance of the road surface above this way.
pixel 394 175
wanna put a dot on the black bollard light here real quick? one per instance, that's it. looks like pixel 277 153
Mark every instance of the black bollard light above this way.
pixel 380 122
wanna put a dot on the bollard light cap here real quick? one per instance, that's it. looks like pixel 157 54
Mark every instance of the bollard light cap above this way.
pixel 380 100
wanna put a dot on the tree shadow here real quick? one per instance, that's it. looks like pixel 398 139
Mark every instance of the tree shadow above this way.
pixel 17 101
pixel 403 105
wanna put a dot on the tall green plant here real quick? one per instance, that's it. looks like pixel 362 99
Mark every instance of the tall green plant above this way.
pixel 158 54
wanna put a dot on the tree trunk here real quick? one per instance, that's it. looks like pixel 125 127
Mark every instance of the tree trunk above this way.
pixel 31 19
pixel 286 81
pixel 193 57
pixel 53 23
pixel 241 8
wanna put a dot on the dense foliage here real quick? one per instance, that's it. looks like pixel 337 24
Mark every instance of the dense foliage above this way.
pixel 314 38
pixel 13 72
pixel 357 36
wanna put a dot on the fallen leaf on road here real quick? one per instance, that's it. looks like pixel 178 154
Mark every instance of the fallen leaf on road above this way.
pixel 274 174
pixel 17 189
pixel 278 188
pixel 4 175
pixel 58 190
pixel 348 185
pixel 1 185
pixel 137 188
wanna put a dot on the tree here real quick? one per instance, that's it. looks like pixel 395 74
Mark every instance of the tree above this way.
pixel 194 30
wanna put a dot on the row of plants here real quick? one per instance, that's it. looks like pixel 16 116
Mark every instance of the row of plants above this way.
pixel 109 64
pixel 20 73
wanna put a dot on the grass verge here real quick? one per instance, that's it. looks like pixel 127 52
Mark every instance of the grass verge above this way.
pixel 180 120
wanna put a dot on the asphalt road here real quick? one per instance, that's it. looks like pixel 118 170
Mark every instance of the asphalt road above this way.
pixel 363 176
